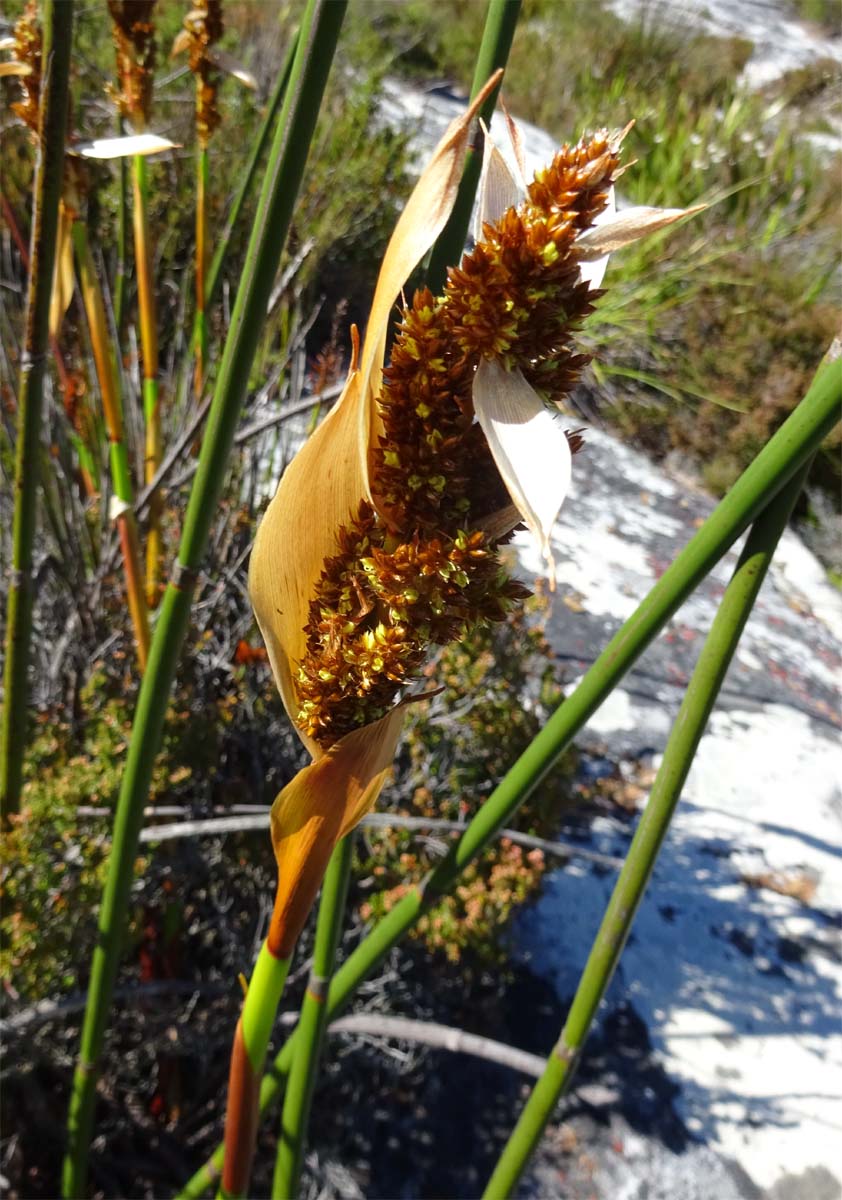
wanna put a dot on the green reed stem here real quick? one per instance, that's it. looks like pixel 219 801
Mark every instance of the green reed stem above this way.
pixel 213 273
pixel 312 1024
pixel 284 171
pixel 148 320
pixel 251 1041
pixel 108 376
pixel 122 235
pixel 49 173
pixel 214 276
pixel 699 699
pixel 785 453
pixel 500 22
pixel 201 339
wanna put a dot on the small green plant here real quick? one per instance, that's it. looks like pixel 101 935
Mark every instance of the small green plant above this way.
pixel 52 869
pixel 53 861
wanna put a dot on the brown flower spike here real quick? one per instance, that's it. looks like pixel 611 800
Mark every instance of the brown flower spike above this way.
pixel 383 539
pixel 203 28
pixel 134 40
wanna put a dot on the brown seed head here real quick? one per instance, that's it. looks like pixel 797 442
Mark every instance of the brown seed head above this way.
pixel 419 571
pixel 134 40
pixel 27 50
pixel 204 27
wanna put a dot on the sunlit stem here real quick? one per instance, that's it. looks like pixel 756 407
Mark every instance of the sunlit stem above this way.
pixel 122 223
pixel 312 1024
pixel 108 376
pixel 47 186
pixel 148 319
pixel 202 260
pixel 251 1041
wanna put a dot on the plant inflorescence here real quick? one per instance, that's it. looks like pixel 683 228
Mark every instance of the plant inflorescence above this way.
pixel 422 567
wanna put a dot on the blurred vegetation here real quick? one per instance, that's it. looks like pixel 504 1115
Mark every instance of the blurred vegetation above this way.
pixel 824 13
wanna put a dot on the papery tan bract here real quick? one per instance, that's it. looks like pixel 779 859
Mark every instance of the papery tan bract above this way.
pixel 144 144
pixel 315 810
pixel 627 226
pixel 529 446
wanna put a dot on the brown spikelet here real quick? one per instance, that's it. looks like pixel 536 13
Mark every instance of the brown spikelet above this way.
pixel 134 40
pixel 27 52
pixel 204 27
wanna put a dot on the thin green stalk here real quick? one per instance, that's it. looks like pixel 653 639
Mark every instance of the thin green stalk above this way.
pixel 148 320
pixel 312 1024
pixel 106 367
pixel 201 340
pixel 497 37
pixel 794 443
pixel 49 172
pixel 320 31
pixel 122 229
pixel 699 699
pixel 214 276
pixel 251 1041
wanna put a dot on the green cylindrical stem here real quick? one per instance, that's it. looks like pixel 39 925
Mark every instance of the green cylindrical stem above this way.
pixel 149 717
pixel 122 231
pixel 147 308
pixel 497 37
pixel 284 172
pixel 214 275
pixel 312 1024
pixel 261 1004
pixel 365 959
pixel 109 386
pixel 151 461
pixel 148 319
pixel 49 173
pixel 251 1040
pixel 699 699
pixel 201 339
pixel 794 443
